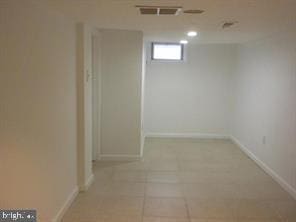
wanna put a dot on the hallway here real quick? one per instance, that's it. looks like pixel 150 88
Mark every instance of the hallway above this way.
pixel 182 180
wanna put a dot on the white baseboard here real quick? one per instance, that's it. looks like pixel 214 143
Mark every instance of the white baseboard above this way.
pixel 123 157
pixel 284 184
pixel 66 205
pixel 87 184
pixel 187 135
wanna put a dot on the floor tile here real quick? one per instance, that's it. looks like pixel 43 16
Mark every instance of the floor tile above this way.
pixel 212 220
pixel 259 190
pixel 129 176
pixel 210 191
pixel 198 220
pixel 163 190
pixel 205 177
pixel 165 207
pixel 221 220
pixel 252 209
pixel 135 165
pixel 121 206
pixel 286 210
pixel 108 218
pixel 121 189
pixel 260 220
pixel 115 218
pixel 162 177
pixel 163 165
pixel 212 209
pixel 164 219
pixel 206 167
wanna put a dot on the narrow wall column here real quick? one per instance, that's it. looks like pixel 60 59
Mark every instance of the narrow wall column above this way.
pixel 121 68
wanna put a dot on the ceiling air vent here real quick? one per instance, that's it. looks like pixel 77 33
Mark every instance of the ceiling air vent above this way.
pixel 159 10
pixel 226 25
pixel 149 11
pixel 168 11
pixel 193 11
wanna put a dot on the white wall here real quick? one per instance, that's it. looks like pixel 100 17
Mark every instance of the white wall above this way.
pixel 191 97
pixel 266 103
pixel 38 108
pixel 121 69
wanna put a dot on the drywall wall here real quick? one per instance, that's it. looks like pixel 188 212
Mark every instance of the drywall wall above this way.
pixel 84 91
pixel 38 109
pixel 265 106
pixel 121 69
pixel 191 97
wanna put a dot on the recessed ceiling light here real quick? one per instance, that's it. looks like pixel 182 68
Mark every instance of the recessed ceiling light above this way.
pixel 184 41
pixel 192 33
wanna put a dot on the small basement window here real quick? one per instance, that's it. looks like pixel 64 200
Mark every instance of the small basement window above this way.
pixel 167 51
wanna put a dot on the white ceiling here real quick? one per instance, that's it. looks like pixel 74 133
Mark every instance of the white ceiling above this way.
pixel 257 18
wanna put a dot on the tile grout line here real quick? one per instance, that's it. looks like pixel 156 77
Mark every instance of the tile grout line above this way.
pixel 183 193
pixel 187 210
pixel 144 200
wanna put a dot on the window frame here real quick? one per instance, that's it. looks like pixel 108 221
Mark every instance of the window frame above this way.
pixel 168 43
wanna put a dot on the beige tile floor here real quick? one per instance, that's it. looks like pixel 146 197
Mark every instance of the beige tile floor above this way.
pixel 183 180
